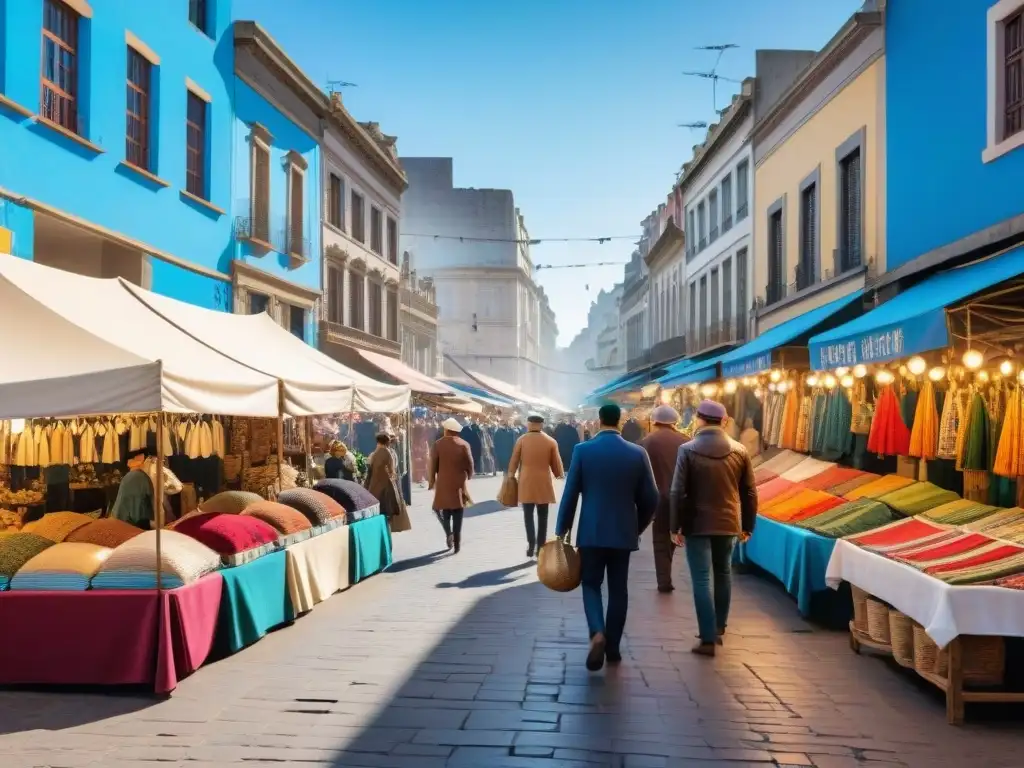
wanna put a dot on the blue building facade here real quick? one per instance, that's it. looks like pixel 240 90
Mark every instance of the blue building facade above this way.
pixel 954 130
pixel 117 142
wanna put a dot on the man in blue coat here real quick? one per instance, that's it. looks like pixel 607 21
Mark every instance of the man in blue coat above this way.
pixel 620 498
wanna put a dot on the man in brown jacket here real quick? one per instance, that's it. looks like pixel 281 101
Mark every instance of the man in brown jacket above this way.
pixel 451 467
pixel 662 446
pixel 536 459
pixel 713 501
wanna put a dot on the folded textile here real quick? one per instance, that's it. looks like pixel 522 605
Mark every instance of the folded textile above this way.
pixel 917 498
pixel 18 549
pixel 57 526
pixel 844 488
pixel 319 508
pixel 762 475
pixel 65 563
pixel 284 519
pixel 831 477
pixel 955 547
pixel 352 496
pixel 807 469
pixel 783 461
pixel 786 509
pixel 860 516
pixel 900 532
pixel 106 532
pixel 233 537
pixel 819 510
pixel 880 487
pixel 1016 581
pixel 959 512
pixel 230 502
pixel 183 560
pixel 773 488
pixel 987 563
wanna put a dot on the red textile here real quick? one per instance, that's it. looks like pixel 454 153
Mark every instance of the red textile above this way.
pixel 817 508
pixel 227 534
pixel 904 531
pixel 762 476
pixel 108 637
pixel 889 435
pixel 831 477
pixel 773 488
pixel 948 549
pixel 1007 550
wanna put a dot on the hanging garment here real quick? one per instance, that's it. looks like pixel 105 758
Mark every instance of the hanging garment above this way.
pixel 949 426
pixel 924 436
pixel 1009 460
pixel 889 435
pixel 42 441
pixel 87 445
pixel 205 440
pixel 218 438
pixel 192 447
pixel 111 445
pixel 168 442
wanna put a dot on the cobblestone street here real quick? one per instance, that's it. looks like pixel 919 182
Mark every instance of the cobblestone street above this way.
pixel 467 661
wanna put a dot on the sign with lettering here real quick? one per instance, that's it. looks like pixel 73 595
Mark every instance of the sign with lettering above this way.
pixel 912 337
pixel 748 366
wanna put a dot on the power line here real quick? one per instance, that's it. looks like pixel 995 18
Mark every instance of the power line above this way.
pixel 578 266
pixel 531 241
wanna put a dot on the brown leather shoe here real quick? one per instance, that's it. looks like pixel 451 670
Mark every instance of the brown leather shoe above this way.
pixel 703 649
pixel 595 659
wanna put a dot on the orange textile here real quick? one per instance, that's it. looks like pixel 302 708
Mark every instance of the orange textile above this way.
pixel 818 508
pixel 889 435
pixel 880 487
pixel 831 478
pixel 924 437
pixel 790 419
pixel 786 509
pixel 768 491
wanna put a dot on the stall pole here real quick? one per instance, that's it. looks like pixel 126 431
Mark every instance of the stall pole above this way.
pixel 309 450
pixel 158 496
pixel 280 435
pixel 351 438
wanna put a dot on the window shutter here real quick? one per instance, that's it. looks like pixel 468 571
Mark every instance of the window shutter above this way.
pixel 296 226
pixel 261 193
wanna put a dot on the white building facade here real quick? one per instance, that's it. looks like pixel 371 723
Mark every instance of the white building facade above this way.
pixel 716 194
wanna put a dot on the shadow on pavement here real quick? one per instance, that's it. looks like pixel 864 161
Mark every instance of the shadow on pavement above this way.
pixel 417 562
pixel 488 507
pixel 58 708
pixel 495 578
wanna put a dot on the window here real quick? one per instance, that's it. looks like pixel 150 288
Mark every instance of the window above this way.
pixel 195 149
pixel 58 103
pixel 296 212
pixel 197 14
pixel 727 291
pixel 335 295
pixel 376 230
pixel 850 236
pixel 776 256
pixel 393 314
pixel 297 322
pixel 713 216
pixel 392 240
pixel 703 311
pixel 1013 74
pixel 258 303
pixel 259 225
pixel 726 204
pixel 714 307
pixel 701 231
pixel 358 218
pixel 356 299
pixel 336 203
pixel 376 308
pixel 742 181
pixel 742 301
pixel 137 129
pixel 691 235
pixel 806 273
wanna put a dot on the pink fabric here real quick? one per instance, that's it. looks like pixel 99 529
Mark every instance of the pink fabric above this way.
pixel 108 637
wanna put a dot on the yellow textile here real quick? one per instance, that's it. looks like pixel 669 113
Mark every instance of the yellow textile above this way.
pixel 790 419
pixel 924 437
pixel 879 487
pixel 68 557
pixel 963 399
pixel 317 568
pixel 57 526
pixel 1009 461
pixel 803 425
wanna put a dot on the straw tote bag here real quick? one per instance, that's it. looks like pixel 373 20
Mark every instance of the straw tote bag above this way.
pixel 558 565
pixel 508 494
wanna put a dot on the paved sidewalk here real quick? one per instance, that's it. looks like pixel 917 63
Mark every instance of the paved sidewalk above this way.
pixel 467 661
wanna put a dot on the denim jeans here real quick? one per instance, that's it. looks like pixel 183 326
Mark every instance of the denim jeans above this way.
pixel 710 557
pixel 594 562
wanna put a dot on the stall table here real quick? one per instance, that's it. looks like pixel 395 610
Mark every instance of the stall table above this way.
pixel 316 568
pixel 369 547
pixel 254 601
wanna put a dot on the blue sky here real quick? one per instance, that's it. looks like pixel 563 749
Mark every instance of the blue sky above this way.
pixel 572 104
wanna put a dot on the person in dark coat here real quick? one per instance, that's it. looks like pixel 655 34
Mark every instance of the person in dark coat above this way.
pixel 471 434
pixel 504 443
pixel 632 431
pixel 662 446
pixel 567 438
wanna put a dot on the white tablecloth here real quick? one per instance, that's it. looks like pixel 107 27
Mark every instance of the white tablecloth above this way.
pixel 317 568
pixel 944 611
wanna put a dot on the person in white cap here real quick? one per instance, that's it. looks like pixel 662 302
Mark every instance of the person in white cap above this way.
pixel 451 467
pixel 662 446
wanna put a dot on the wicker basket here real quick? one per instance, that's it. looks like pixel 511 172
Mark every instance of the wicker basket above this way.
pixel 983 660
pixel 878 621
pixel 928 658
pixel 901 634
pixel 232 467
pixel 558 566
pixel 860 609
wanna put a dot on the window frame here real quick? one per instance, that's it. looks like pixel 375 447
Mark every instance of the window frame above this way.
pixel 998 143
pixel 336 300
pixel 259 141
pixel 391 239
pixel 199 15
pixel 357 299
pixel 812 182
pixel 358 222
pixel 336 204
pixel 857 143
pixel 200 153
pixel 377 230
pixel 725 196
pixel 776 210
pixel 68 118
pixel 742 173
pixel 292 309
pixel 295 232
pixel 139 65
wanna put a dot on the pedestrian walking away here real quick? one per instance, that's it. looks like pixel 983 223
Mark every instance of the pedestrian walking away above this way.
pixel 536 458
pixel 620 497
pixel 451 468
pixel 662 447
pixel 712 502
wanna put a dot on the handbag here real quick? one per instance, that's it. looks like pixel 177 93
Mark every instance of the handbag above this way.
pixel 508 494
pixel 558 565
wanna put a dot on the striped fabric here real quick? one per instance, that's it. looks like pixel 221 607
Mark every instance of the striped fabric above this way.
pixel 918 498
pixel 832 477
pixel 898 533
pixel 133 565
pixel 846 487
pixel 768 491
pixel 852 518
pixel 64 566
pixel 807 469
pixel 997 518
pixel 785 509
pixel 879 487
pixel 783 461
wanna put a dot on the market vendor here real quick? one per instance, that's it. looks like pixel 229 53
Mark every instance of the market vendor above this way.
pixel 134 502
pixel 341 465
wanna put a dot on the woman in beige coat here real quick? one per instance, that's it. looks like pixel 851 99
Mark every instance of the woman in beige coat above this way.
pixel 536 458
pixel 382 482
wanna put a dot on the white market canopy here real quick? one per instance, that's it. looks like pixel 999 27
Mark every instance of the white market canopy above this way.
pixel 507 390
pixel 78 345
pixel 313 383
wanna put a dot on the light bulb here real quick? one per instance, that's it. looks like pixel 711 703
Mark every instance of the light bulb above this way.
pixel 917 365
pixel 982 376
pixel 758 393
pixel 17 426
pixel 783 386
pixel 746 381
pixel 885 377
pixel 730 386
pixel 860 371
pixel 937 374
pixel 1006 368
pixel 830 382
pixel 973 359
pixel 847 381
pixel 666 396
pixel 903 370
pixel 775 376
pixel 1020 376
pixel 772 386
pixel 840 372
pixel 812 381
pixel 693 387
pixel 709 390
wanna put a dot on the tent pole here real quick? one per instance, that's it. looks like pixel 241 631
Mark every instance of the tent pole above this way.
pixel 280 435
pixel 158 498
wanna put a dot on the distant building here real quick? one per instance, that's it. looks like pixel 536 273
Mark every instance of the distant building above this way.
pixel 418 300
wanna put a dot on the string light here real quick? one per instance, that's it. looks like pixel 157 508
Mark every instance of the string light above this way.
pixel 884 377
pixel 772 386
pixel 709 390
pixel 937 373
pixel 860 370
pixel 666 396
pixel 973 359
pixel 783 386
pixel 775 376
pixel 830 382
pixel 847 381
pixel 840 372
pixel 1020 377
pixel 812 380
pixel 17 426
pixel 917 365
pixel 982 376
pixel 1006 368
pixel 730 386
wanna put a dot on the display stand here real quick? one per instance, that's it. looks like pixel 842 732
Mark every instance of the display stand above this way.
pixel 317 568
pixel 254 601
pixel 369 547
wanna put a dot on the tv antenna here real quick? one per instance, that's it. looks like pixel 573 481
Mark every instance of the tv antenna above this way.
pixel 693 126
pixel 712 74
pixel 335 86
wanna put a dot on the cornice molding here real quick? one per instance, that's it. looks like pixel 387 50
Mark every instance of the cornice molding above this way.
pixel 671 237
pixel 253 278
pixel 718 135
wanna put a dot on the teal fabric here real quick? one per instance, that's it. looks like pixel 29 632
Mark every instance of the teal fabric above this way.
pixel 796 557
pixel 254 601
pixel 369 543
pixel 134 502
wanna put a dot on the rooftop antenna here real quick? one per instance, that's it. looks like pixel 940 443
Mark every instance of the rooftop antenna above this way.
pixel 335 86
pixel 712 74
pixel 693 126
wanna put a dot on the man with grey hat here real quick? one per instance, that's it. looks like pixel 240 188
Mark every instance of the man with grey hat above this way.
pixel 662 446
pixel 713 501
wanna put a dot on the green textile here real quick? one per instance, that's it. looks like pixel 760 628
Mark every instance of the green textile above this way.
pixel 134 502
pixel 837 439
pixel 17 549
pixel 868 516
pixel 977 454
pixel 254 601
pixel 961 514
pixel 918 498
pixel 829 515
pixel 369 544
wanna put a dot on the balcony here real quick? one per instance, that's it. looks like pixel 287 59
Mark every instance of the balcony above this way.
pixel 668 349
pixel 805 276
pixel 338 333
pixel 266 235
pixel 718 334
pixel 775 292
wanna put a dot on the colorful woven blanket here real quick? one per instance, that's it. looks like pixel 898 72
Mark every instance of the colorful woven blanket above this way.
pixel 959 512
pixel 57 526
pixel 894 534
pixel 848 486
pixel 852 518
pixel 807 469
pixel 879 487
pixel 917 498
pixel 773 488
pixel 831 478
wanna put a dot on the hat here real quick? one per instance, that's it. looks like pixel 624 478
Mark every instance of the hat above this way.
pixel 451 425
pixel 709 409
pixel 535 418
pixel 665 414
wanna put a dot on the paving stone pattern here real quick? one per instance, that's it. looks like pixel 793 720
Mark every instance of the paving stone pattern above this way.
pixel 467 661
